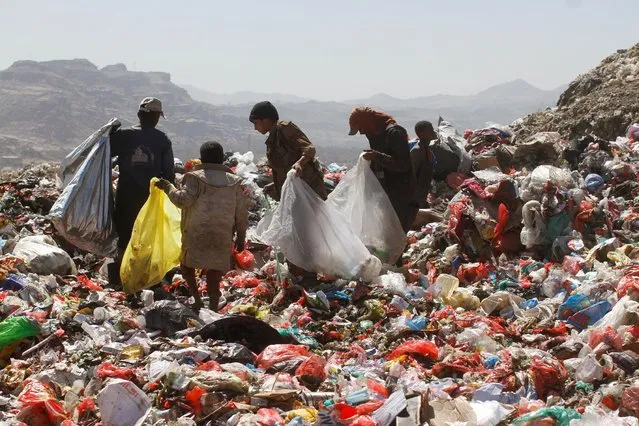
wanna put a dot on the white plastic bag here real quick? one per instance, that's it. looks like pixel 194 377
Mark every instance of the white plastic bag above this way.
pixel 533 185
pixel 532 233
pixel 313 236
pixel 594 416
pixel 43 255
pixel 490 413
pixel 122 403
pixel 83 212
pixel 448 135
pixel 361 199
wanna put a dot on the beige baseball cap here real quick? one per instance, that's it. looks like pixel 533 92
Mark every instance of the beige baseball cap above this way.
pixel 151 104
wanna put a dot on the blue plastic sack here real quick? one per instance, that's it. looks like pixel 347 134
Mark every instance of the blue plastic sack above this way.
pixel 593 181
pixel 13 283
pixel 586 317
pixel 572 305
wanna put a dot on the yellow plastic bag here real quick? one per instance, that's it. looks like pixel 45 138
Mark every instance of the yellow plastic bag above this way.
pixel 154 248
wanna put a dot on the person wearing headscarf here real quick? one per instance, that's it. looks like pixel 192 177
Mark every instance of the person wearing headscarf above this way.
pixel 390 159
pixel 287 147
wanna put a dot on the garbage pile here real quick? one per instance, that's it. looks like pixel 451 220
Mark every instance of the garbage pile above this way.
pixel 517 301
pixel 600 102
pixel 520 306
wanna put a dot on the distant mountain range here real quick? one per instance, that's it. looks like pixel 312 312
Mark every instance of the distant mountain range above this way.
pixel 239 98
pixel 48 108
pixel 516 91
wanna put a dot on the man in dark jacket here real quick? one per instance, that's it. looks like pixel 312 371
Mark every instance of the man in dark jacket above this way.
pixel 390 159
pixel 143 152
pixel 422 160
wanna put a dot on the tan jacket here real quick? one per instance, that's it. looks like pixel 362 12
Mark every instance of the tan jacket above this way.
pixel 285 145
pixel 213 205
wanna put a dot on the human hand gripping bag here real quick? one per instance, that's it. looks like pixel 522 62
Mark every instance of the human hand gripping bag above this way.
pixel 360 198
pixel 313 236
pixel 154 248
pixel 83 212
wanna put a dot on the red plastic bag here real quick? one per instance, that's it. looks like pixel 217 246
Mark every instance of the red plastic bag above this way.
pixel 209 366
pixel 194 399
pixel 627 284
pixel 424 348
pixel 87 405
pixel 503 215
pixel 378 388
pixel 244 259
pixel 37 400
pixel 472 272
pixel 548 375
pixel 263 289
pixel 311 371
pixel 630 400
pixel 573 264
pixel 460 365
pixel 363 421
pixel 368 407
pixel 88 284
pixel 343 412
pixel 607 336
pixel 274 354
pixel 269 417
pixel 109 370
pixel 508 242
pixel 244 281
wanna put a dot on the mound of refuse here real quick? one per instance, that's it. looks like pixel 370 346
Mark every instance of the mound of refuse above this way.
pixel 602 101
pixel 516 300
pixel 519 304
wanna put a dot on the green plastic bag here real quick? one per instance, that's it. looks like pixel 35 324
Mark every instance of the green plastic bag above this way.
pixel 17 328
pixel 562 415
pixel 556 226
pixel 154 248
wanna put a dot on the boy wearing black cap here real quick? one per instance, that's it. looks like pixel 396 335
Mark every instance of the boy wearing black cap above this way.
pixel 287 147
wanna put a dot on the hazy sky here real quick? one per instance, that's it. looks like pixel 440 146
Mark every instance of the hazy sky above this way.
pixel 329 49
